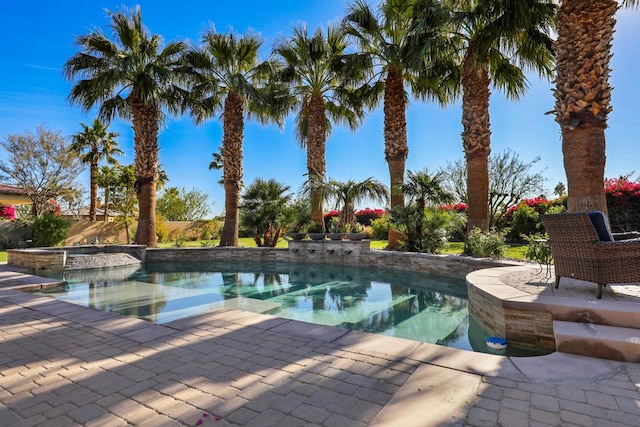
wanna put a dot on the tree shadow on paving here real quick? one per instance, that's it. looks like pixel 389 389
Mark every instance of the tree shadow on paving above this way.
pixel 246 368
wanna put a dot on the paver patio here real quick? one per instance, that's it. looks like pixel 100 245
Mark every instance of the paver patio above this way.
pixel 66 365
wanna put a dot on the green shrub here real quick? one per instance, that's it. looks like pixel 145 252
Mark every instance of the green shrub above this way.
pixel 380 228
pixel 525 221
pixel 489 244
pixel 426 231
pixel 162 229
pixel 50 230
pixel 211 229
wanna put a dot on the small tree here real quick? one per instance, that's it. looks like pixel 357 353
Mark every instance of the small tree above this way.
pixel 510 180
pixel 40 163
pixel 178 204
pixel 263 210
pixel 124 197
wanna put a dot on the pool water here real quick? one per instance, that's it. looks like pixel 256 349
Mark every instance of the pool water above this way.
pixel 416 306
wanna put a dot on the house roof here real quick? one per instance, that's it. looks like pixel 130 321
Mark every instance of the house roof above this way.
pixel 11 189
pixel 12 195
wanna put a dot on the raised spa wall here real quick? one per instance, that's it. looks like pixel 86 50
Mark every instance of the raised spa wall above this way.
pixel 71 257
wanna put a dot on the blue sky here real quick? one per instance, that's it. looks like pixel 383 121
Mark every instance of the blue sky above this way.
pixel 39 37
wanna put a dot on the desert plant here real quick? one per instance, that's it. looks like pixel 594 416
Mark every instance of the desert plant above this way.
pixel 486 244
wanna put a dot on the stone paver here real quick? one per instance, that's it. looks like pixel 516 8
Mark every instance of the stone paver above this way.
pixel 230 368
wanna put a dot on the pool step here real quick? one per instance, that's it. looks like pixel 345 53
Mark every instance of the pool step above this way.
pixel 602 341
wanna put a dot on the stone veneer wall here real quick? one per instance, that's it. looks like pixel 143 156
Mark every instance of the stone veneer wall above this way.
pixel 58 258
pixel 345 252
pixel 38 259
pixel 519 326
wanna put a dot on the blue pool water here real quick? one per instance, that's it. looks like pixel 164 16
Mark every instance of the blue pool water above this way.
pixel 410 305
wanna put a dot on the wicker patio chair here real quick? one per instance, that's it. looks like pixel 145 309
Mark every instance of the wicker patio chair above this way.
pixel 599 256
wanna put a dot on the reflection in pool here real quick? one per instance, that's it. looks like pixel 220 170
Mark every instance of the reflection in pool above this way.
pixel 410 305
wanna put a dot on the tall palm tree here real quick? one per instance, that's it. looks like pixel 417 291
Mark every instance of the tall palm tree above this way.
pixel 322 84
pixel 583 96
pixel 408 43
pixel 135 78
pixel 346 194
pixel 92 145
pixel 229 76
pixel 502 39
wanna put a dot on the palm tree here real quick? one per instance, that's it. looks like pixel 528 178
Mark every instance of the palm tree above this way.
pixel 422 187
pixel 501 39
pixel 347 194
pixel 228 76
pixel 322 84
pixel 583 96
pixel 92 145
pixel 263 210
pixel 404 51
pixel 134 78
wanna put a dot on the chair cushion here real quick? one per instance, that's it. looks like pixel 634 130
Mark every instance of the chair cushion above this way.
pixel 601 224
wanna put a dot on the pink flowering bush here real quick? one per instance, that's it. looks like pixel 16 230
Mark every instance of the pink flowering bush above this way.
pixel 458 207
pixel 623 204
pixel 8 213
pixel 367 215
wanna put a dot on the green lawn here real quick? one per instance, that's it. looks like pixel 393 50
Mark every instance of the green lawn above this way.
pixel 513 251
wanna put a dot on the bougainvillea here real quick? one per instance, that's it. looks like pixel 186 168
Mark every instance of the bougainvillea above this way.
pixel 8 213
pixel 623 203
pixel 458 207
pixel 367 215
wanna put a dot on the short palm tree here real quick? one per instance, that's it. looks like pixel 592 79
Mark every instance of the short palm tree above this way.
pixel 263 210
pixel 404 52
pixel 583 96
pixel 135 78
pixel 92 145
pixel 421 188
pixel 347 194
pixel 502 39
pixel 322 84
pixel 229 76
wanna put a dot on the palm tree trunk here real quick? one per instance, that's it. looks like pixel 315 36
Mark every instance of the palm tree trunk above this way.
pixel 583 97
pixel 93 183
pixel 316 149
pixel 396 148
pixel 106 204
pixel 145 138
pixel 476 139
pixel 233 127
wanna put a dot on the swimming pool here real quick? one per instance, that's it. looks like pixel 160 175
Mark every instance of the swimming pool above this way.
pixel 416 306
